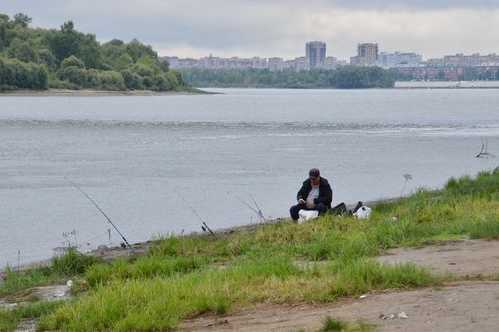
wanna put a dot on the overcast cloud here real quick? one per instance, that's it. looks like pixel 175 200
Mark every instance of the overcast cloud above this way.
pixel 279 27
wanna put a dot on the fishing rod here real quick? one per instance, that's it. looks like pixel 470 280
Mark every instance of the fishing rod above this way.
pixel 204 226
pixel 256 209
pixel 94 203
pixel 260 212
pixel 484 150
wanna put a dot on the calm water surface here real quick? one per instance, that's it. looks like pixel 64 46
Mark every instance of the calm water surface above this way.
pixel 140 157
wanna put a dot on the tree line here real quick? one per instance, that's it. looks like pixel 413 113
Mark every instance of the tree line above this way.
pixel 345 77
pixel 34 58
pixel 484 73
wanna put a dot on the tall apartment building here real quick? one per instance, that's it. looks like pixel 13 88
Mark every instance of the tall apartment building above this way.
pixel 315 54
pixel 398 59
pixel 473 60
pixel 367 55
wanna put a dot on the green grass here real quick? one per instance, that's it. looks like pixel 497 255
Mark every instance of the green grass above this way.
pixel 143 268
pixel 9 319
pixel 333 325
pixel 160 303
pixel 318 261
pixel 18 281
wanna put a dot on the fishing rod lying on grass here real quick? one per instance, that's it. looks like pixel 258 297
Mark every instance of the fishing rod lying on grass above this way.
pixel 94 203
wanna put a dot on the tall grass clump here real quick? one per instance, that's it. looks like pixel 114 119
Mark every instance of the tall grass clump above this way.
pixel 72 263
pixel 334 325
pixel 362 275
pixel 143 268
pixel 15 281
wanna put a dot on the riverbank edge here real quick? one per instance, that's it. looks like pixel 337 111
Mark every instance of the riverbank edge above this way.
pixel 102 93
pixel 140 248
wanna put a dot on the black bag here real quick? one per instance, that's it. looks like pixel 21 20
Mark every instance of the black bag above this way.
pixel 339 210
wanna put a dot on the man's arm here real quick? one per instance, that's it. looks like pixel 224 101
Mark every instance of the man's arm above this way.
pixel 301 193
pixel 326 196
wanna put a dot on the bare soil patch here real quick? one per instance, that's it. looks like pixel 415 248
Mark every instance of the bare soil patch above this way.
pixel 467 258
pixel 457 307
pixel 470 306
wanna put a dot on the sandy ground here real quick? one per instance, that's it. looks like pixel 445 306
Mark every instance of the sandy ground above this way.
pixel 457 307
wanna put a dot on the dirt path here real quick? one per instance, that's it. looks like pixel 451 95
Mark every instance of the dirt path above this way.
pixel 457 307
pixel 464 307
pixel 461 258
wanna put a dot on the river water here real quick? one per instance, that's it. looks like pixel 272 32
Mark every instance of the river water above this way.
pixel 147 160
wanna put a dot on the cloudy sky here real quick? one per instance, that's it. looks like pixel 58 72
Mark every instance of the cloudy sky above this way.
pixel 278 27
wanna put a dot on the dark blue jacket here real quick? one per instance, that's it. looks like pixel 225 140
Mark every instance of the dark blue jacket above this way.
pixel 325 192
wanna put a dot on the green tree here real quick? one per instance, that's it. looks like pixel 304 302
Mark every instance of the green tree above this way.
pixel 22 20
pixel 132 80
pixel 67 58
pixel 65 42
pixel 123 61
pixel 346 77
pixel 22 50
pixel 89 51
pixel 138 50
pixel 4 20
pixel 46 57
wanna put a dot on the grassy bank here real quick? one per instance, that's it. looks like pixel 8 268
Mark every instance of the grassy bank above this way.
pixel 319 261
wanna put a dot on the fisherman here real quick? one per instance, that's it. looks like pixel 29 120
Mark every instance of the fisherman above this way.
pixel 315 194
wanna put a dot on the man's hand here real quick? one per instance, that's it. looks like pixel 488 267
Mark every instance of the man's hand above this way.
pixel 301 201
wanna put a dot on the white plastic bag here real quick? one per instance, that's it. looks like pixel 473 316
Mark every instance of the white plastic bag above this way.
pixel 364 212
pixel 307 215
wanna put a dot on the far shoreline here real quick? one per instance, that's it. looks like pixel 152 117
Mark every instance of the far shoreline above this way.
pixel 101 93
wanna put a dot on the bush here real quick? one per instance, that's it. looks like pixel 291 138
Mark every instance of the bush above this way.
pixel 72 61
pixel 21 75
pixel 74 75
pixel 132 80
pixel 111 80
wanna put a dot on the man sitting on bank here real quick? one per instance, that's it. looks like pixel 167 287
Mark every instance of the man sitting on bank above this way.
pixel 315 194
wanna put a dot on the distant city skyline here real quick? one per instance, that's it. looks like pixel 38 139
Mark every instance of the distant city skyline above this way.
pixel 247 28
pixel 368 54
